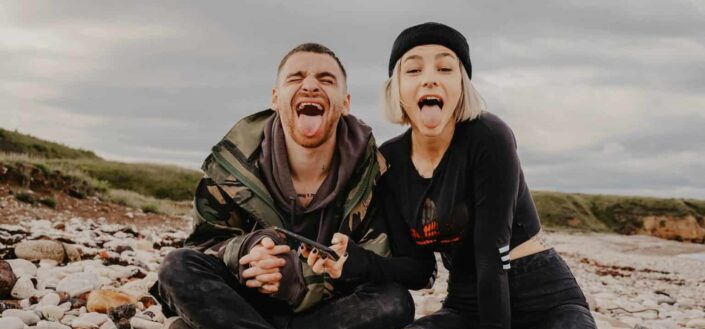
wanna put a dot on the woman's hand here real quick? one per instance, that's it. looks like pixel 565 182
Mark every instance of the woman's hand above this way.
pixel 321 264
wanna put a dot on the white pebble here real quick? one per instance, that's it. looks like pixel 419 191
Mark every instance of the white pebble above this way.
pixel 28 317
pixel 89 320
pixel 51 312
pixel 24 288
pixel 78 283
pixel 51 325
pixel 50 299
pixel 108 325
pixel 153 313
pixel 138 323
pixel 696 323
pixel 11 323
pixel 22 267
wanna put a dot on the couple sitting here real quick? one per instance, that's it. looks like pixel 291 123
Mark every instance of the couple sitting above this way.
pixel 451 184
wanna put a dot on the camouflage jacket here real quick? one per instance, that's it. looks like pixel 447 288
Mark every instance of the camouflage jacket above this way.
pixel 232 201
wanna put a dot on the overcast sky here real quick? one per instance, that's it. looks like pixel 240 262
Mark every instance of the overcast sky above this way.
pixel 603 96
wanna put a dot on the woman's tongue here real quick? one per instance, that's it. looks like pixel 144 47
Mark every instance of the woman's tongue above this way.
pixel 431 115
pixel 309 124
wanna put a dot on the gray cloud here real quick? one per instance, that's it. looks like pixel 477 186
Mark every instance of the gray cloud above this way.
pixel 603 96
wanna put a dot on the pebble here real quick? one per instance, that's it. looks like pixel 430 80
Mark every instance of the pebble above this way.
pixel 51 325
pixel 11 323
pixel 101 300
pixel 46 249
pixel 51 312
pixel 51 298
pixel 24 288
pixel 696 323
pixel 89 320
pixel 78 283
pixel 139 323
pixel 28 317
pixel 22 267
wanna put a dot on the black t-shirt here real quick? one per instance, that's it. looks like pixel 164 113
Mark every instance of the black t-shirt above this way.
pixel 474 209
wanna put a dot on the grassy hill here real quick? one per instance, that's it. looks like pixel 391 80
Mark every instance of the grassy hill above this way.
pixel 612 213
pixel 38 164
pixel 147 186
pixel 14 142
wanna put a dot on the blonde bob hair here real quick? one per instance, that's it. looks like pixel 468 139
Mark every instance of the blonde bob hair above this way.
pixel 470 106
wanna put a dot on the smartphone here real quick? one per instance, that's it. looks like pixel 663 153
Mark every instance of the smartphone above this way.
pixel 310 244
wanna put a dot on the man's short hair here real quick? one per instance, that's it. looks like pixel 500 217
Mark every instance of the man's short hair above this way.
pixel 312 47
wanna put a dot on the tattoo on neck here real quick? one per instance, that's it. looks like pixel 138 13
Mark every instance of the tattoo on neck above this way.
pixel 305 195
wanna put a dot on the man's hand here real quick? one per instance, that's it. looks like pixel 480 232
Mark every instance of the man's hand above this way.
pixel 263 272
pixel 320 264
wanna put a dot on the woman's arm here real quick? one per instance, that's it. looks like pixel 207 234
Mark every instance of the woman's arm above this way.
pixel 496 172
pixel 408 265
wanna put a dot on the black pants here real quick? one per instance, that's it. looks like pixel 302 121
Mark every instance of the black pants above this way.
pixel 543 295
pixel 203 292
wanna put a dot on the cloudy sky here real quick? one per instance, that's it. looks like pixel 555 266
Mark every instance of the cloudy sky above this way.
pixel 603 96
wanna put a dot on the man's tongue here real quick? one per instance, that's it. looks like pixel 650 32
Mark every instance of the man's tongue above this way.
pixel 431 115
pixel 309 124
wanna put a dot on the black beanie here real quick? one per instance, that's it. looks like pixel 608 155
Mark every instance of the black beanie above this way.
pixel 431 34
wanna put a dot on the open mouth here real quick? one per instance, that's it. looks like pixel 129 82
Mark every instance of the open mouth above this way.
pixel 309 109
pixel 430 100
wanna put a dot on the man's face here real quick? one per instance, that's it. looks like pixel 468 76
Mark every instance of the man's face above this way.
pixel 310 96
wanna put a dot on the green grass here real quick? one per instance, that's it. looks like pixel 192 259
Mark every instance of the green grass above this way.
pixel 14 142
pixel 620 214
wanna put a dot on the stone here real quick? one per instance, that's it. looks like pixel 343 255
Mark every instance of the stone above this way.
pixel 51 312
pixel 28 317
pixel 696 323
pixel 46 249
pixel 51 325
pixel 103 299
pixel 108 325
pixel 11 323
pixel 24 288
pixel 125 311
pixel 50 299
pixel 139 323
pixel 78 283
pixel 153 313
pixel 22 267
pixel 89 320
pixel 7 279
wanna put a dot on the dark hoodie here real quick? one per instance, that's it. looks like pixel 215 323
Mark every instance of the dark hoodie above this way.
pixel 317 221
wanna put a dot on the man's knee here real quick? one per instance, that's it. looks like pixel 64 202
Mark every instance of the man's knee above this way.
pixel 175 265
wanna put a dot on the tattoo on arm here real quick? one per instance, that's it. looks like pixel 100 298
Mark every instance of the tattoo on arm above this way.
pixel 541 239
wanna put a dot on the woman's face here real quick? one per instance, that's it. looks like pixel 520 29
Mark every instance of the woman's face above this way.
pixel 430 86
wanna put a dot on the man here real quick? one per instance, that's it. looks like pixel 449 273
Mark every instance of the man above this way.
pixel 307 166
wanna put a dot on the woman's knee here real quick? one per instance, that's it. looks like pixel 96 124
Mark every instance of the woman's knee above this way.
pixel 570 316
pixel 398 302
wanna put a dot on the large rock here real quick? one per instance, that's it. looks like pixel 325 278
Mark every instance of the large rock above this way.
pixel 103 299
pixel 7 279
pixel 47 249
pixel 685 228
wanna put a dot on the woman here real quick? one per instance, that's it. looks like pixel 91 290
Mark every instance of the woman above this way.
pixel 455 180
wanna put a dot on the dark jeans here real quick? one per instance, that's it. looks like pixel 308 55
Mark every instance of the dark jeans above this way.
pixel 204 293
pixel 543 295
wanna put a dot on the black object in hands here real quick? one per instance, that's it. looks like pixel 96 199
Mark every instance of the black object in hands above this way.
pixel 310 244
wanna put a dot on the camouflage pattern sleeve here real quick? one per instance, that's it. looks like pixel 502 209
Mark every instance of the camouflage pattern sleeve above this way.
pixel 219 225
